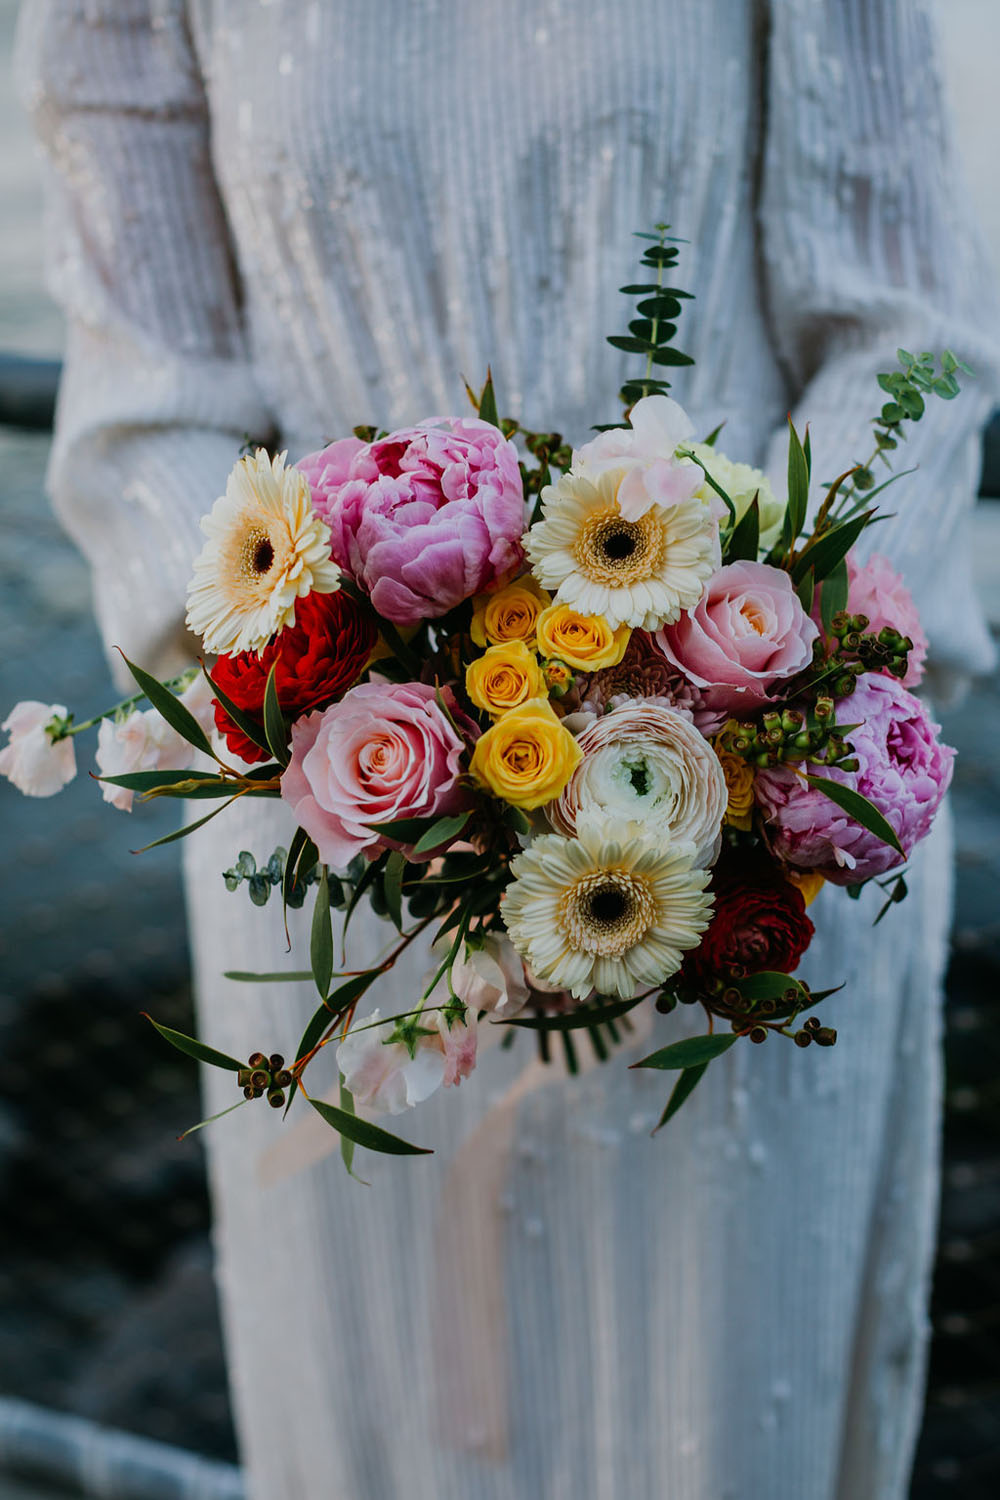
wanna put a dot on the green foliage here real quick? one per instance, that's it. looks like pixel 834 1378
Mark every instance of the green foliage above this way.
pixel 363 1133
pixel 857 807
pixel 275 728
pixel 321 939
pixel 681 1089
pixel 652 332
pixel 690 1052
pixel 193 1048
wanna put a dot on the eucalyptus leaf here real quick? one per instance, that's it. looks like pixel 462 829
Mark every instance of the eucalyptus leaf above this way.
pixel 857 807
pixel 363 1133
pixel 288 976
pixel 321 940
pixel 171 708
pixel 194 1048
pixel 689 1052
pixel 274 723
pixel 392 884
pixel 681 1089
pixel 443 831
pixel 253 731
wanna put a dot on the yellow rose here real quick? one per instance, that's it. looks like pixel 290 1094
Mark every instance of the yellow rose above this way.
pixel 503 678
pixel 586 642
pixel 527 757
pixel 509 614
pixel 809 884
pixel 739 784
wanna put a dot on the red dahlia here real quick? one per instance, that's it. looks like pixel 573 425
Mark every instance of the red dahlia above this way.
pixel 319 658
pixel 759 923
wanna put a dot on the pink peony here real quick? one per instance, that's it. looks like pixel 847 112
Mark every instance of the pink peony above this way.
pixel 904 770
pixel 879 592
pixel 385 751
pixel 747 632
pixel 423 518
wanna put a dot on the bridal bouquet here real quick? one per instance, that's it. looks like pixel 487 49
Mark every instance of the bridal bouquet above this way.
pixel 605 719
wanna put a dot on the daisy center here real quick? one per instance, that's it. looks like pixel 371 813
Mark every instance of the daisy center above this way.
pixel 607 912
pixel 614 551
pixel 257 554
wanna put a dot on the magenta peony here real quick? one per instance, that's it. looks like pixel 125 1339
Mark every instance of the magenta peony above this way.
pixel 423 518
pixel 747 632
pixel 385 751
pixel 904 770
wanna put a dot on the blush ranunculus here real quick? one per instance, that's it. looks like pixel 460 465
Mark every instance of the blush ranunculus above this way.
pixel 747 632
pixel 318 658
pixel 759 923
pixel 904 769
pixel 385 751
pixel 423 518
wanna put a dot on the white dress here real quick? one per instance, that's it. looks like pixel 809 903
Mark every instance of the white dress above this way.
pixel 295 216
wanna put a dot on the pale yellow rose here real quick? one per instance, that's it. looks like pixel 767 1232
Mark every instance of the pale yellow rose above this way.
pixel 741 482
pixel 503 678
pixel 509 614
pixel 586 642
pixel 527 757
pixel 739 784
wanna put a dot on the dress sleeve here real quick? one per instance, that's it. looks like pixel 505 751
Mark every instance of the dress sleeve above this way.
pixel 157 394
pixel 869 246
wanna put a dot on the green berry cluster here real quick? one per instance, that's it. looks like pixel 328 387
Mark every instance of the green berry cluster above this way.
pixel 265 1075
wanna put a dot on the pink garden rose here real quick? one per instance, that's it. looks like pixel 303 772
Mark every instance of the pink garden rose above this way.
pixel 747 632
pixel 423 518
pixel 904 770
pixel 878 591
pixel 385 751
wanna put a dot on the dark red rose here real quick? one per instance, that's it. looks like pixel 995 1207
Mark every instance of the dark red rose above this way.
pixel 759 923
pixel 319 658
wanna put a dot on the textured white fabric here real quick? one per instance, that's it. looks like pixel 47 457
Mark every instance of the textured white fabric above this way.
pixel 301 216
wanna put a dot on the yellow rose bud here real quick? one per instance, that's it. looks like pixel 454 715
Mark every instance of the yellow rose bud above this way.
pixel 527 757
pixel 586 642
pixel 739 784
pixel 809 884
pixel 503 678
pixel 509 614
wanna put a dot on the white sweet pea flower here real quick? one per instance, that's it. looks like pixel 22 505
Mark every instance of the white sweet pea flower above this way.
pixel 141 742
pixel 646 451
pixel 198 700
pixel 491 977
pixel 381 1074
pixel 458 1041
pixel 36 764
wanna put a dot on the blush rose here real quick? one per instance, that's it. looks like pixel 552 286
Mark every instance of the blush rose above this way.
pixel 385 751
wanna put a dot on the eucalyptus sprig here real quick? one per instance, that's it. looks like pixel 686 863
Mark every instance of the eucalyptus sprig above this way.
pixel 652 332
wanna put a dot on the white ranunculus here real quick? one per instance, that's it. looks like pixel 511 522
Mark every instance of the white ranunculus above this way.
pixel 491 977
pixel 381 1074
pixel 141 742
pixel 37 765
pixel 741 482
pixel 646 763
pixel 646 451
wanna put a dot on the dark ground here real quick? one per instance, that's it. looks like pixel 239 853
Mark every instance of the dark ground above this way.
pixel 107 1306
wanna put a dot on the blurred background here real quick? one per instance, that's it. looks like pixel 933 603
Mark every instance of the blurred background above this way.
pixel 112 1380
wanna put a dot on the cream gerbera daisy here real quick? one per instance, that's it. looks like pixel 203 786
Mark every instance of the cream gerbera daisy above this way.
pixel 266 548
pixel 641 572
pixel 611 910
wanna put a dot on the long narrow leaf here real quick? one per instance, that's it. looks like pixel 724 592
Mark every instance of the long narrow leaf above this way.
pixel 689 1052
pixel 243 721
pixel 194 1048
pixel 823 555
pixel 182 833
pixel 392 884
pixel 363 1133
pixel 833 595
pixel 443 831
pixel 575 1020
pixel 744 541
pixel 274 723
pixel 346 1143
pixel 289 976
pixel 212 1118
pixel 488 401
pixel 681 1089
pixel 798 487
pixel 170 708
pixel 857 807
pixel 321 941
pixel 145 781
